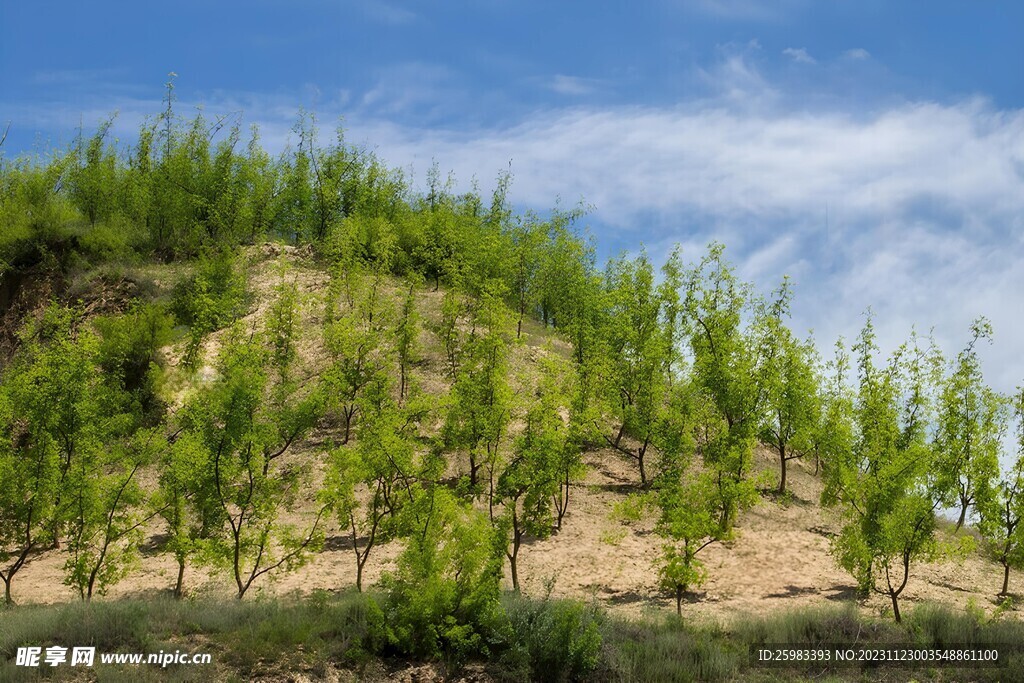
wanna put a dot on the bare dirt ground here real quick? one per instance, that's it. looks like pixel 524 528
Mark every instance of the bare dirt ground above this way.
pixel 779 559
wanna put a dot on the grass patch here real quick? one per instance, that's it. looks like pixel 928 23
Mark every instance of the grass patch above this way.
pixel 541 640
pixel 244 638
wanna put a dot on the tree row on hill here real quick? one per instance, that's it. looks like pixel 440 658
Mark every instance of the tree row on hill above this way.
pixel 682 372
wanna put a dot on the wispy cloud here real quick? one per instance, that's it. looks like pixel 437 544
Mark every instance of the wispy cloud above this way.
pixel 924 201
pixel 734 78
pixel 411 86
pixel 386 12
pixel 915 209
pixel 735 163
pixel 857 53
pixel 573 85
pixel 800 55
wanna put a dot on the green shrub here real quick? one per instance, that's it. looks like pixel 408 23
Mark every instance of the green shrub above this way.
pixel 130 353
pixel 212 298
pixel 114 240
pixel 443 602
pixel 560 640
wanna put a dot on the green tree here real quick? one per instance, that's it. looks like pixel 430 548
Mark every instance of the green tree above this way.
pixel 729 367
pixel 579 434
pixel 971 421
pixel 246 424
pixel 69 438
pixel 449 332
pixel 356 360
pixel 293 206
pixel 47 417
pixel 106 513
pixel 529 483
pixel 1001 511
pixel 214 296
pixel 186 498
pixel 95 178
pixel 130 356
pixel 438 251
pixel 689 523
pixel 480 407
pixel 329 170
pixel 793 406
pixel 282 324
pixel 258 183
pixel 406 337
pixel 567 279
pixel 882 485
pixel 528 241
pixel 640 351
pixel 442 600
pixel 367 486
pixel 833 440
pixel 688 498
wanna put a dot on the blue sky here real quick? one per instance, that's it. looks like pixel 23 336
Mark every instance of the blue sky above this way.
pixel 872 150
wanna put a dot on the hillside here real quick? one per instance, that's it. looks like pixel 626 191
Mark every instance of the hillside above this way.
pixel 778 560
pixel 392 427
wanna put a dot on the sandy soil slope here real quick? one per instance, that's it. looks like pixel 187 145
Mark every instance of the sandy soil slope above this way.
pixel 778 560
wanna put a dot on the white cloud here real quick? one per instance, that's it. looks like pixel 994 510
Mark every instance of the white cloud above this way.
pixel 857 53
pixel 573 85
pixel 718 161
pixel 409 86
pixel 925 201
pixel 799 55
pixel 734 79
pixel 386 12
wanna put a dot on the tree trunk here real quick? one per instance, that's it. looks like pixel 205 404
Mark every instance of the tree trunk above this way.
pixel 348 413
pixel 782 469
pixel 679 599
pixel 515 573
pixel 12 570
pixel 517 537
pixel 1006 579
pixel 618 437
pixel 178 586
pixel 963 517
pixel 895 606
pixel 236 561
pixel 564 502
